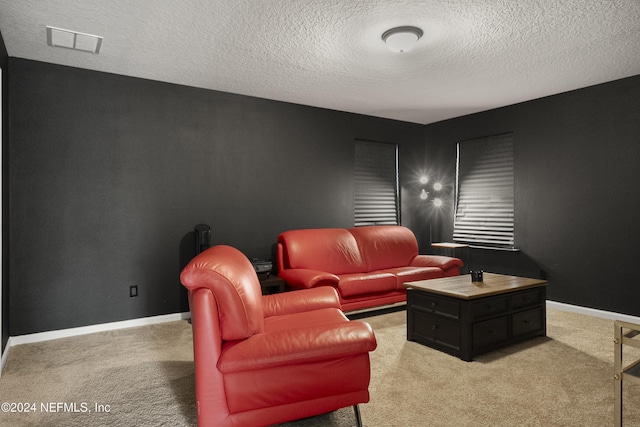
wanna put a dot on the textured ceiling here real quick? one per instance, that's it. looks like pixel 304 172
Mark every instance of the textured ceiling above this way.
pixel 474 55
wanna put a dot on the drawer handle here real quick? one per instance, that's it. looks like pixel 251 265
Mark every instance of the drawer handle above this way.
pixel 526 321
pixel 434 327
pixel 433 305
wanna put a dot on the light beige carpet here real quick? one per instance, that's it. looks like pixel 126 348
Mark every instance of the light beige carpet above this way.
pixel 144 377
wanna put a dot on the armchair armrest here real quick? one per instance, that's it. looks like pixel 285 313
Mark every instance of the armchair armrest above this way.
pixel 304 278
pixel 297 346
pixel 299 301
pixel 443 262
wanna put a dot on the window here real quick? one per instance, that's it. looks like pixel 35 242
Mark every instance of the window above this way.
pixel 485 192
pixel 376 183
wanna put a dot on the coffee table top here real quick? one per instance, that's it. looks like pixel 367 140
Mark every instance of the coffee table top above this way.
pixel 462 287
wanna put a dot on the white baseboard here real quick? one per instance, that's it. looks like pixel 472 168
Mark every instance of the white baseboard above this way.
pixel 5 354
pixel 63 333
pixel 71 332
pixel 593 312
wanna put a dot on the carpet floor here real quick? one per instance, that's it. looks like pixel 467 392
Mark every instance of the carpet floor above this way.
pixel 144 376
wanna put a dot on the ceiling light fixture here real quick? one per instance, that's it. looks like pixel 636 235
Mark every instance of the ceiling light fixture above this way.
pixel 402 39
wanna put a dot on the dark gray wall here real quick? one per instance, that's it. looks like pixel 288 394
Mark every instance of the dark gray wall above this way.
pixel 577 166
pixel 110 174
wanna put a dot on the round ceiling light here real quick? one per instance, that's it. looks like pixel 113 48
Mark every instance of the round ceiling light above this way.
pixel 401 39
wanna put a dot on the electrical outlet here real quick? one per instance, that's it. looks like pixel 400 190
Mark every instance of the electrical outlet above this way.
pixel 133 291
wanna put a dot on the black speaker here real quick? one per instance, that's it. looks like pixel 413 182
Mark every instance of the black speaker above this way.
pixel 203 237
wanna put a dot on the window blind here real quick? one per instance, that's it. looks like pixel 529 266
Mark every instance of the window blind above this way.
pixel 484 214
pixel 375 183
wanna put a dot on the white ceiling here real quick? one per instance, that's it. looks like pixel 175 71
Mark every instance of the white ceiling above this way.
pixel 475 55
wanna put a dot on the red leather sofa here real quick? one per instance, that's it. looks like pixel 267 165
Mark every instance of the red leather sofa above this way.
pixel 262 360
pixel 366 265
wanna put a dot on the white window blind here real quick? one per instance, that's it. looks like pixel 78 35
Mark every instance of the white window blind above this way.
pixel 376 183
pixel 484 214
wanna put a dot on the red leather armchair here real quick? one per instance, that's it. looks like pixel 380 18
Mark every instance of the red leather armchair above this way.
pixel 261 360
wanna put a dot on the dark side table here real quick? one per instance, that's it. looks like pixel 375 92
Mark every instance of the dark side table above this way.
pixel 272 285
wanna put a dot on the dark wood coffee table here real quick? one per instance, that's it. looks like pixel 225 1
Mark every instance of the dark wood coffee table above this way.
pixel 465 319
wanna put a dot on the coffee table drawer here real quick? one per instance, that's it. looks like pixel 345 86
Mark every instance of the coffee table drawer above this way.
pixel 524 299
pixel 490 332
pixel 528 321
pixel 436 330
pixel 432 304
pixel 489 307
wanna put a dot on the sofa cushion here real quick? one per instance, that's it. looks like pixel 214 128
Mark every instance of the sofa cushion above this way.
pixel 303 384
pixel 385 246
pixel 411 274
pixel 366 283
pixel 325 249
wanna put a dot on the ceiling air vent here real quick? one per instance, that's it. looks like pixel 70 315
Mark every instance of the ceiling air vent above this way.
pixel 73 40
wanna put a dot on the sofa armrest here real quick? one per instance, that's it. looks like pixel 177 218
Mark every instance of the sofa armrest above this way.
pixel 443 262
pixel 304 278
pixel 297 346
pixel 300 301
